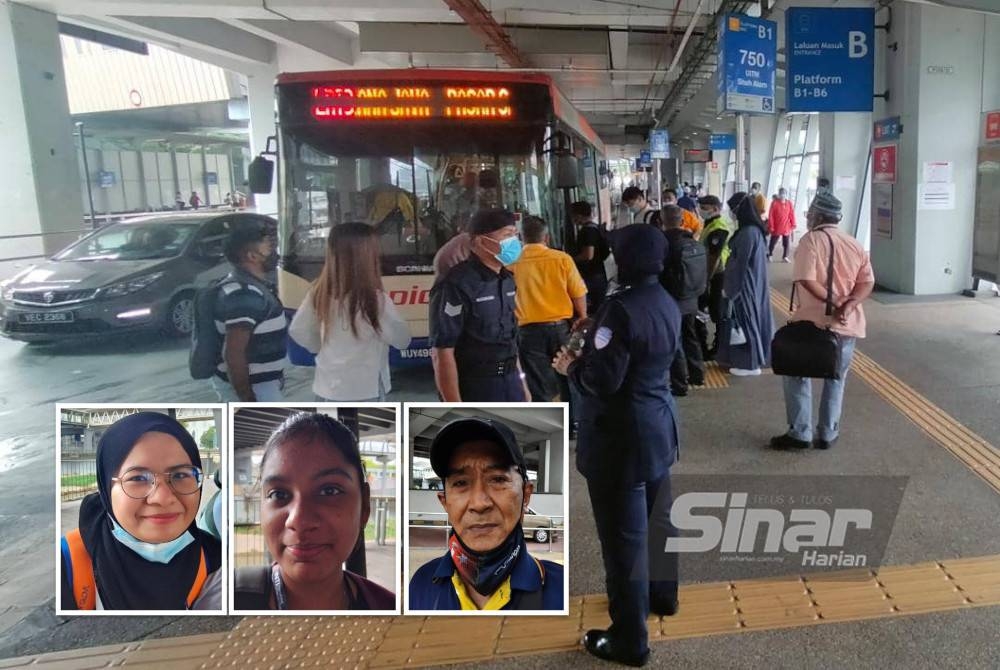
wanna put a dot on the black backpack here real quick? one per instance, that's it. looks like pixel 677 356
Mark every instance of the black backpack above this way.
pixel 652 217
pixel 206 340
pixel 602 250
pixel 687 275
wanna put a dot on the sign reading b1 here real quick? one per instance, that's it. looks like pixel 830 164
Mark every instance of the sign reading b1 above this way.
pixel 748 51
pixel 831 59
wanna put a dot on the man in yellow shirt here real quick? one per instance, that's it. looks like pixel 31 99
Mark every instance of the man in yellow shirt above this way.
pixel 550 292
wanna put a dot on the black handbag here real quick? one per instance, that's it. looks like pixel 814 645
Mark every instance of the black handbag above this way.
pixel 803 349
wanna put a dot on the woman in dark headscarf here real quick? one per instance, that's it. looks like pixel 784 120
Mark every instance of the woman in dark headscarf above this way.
pixel 138 547
pixel 745 340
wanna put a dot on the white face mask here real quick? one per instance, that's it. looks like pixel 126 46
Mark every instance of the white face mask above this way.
pixel 160 552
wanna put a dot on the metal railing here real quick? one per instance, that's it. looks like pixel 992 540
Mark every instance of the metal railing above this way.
pixel 78 473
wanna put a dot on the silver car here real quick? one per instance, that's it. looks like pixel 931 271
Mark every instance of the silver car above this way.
pixel 136 274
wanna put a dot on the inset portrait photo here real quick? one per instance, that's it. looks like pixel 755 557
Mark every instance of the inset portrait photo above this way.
pixel 314 508
pixel 487 509
pixel 140 508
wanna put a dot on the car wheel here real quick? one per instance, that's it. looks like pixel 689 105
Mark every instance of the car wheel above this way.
pixel 180 315
pixel 541 535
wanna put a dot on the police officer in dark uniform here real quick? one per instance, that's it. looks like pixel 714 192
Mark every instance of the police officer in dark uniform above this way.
pixel 628 441
pixel 473 329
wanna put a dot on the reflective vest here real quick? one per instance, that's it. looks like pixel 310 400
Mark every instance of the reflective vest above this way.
pixel 80 575
pixel 719 223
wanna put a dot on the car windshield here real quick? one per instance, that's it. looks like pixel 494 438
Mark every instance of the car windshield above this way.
pixel 132 242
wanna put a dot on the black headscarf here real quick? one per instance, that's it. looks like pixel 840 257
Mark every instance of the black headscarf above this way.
pixel 742 207
pixel 125 580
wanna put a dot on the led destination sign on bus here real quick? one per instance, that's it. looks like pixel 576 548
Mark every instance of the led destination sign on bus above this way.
pixel 373 103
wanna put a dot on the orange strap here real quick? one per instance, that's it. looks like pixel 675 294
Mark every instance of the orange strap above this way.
pixel 82 574
pixel 199 580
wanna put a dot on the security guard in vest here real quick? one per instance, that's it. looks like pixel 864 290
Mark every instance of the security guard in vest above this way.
pixel 715 236
pixel 627 442
pixel 473 329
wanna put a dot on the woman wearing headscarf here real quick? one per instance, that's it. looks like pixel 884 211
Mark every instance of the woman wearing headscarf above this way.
pixel 315 502
pixel 138 546
pixel 745 341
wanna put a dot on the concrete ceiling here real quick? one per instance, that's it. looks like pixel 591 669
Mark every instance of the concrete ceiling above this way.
pixel 622 62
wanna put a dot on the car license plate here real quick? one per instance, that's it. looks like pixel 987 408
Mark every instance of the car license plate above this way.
pixel 44 317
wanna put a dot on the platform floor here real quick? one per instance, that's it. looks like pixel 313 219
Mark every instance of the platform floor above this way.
pixel 923 401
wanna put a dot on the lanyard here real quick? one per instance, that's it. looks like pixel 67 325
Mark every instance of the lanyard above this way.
pixel 281 600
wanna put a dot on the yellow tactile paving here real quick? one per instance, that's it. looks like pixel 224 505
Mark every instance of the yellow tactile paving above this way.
pixel 971 449
pixel 409 642
pixel 715 378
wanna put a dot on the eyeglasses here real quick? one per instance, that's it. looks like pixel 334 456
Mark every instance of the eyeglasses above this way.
pixel 139 483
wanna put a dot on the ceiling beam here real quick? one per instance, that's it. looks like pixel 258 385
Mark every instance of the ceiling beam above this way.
pixel 330 41
pixel 483 24
pixel 208 34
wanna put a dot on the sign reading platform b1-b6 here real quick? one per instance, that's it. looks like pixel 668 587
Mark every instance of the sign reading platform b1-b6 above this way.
pixel 831 59
pixel 748 51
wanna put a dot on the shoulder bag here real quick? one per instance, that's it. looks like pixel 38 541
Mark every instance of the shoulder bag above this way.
pixel 803 349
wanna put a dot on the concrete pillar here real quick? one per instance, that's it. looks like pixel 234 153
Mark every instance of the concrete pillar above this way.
pixel 844 139
pixel 936 79
pixel 39 181
pixel 760 144
pixel 260 92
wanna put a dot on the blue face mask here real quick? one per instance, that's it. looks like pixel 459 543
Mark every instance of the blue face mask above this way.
pixel 510 251
pixel 162 552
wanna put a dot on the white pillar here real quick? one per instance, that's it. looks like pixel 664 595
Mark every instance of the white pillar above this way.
pixel 260 93
pixel 761 148
pixel 843 152
pixel 936 81
pixel 39 182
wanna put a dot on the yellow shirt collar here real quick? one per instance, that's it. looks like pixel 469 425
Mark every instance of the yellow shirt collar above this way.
pixel 497 601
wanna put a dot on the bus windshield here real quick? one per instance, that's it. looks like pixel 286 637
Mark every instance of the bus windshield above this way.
pixel 418 195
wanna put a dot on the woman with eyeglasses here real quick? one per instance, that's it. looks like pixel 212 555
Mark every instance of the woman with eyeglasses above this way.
pixel 314 504
pixel 137 546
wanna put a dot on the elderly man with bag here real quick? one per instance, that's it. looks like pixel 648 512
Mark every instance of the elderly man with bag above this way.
pixel 835 276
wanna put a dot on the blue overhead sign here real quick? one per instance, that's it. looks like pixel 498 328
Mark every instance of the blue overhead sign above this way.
pixel 106 179
pixel 645 160
pixel 659 143
pixel 717 142
pixel 748 53
pixel 831 59
pixel 888 130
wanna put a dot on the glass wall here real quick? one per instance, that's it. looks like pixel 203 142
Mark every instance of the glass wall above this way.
pixel 795 163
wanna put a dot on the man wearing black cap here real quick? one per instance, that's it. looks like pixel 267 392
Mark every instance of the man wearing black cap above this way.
pixel 247 310
pixel 628 441
pixel 486 493
pixel 473 328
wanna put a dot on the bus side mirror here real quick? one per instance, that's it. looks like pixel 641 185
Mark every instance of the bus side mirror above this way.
pixel 567 171
pixel 260 175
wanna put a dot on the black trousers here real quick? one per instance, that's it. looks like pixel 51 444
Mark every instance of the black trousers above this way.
pixel 715 303
pixel 507 388
pixel 537 345
pixel 688 366
pixel 633 524
pixel 784 245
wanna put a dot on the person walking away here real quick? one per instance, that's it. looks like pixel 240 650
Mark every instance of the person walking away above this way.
pixel 248 312
pixel 689 199
pixel 551 296
pixel 591 252
pixel 473 327
pixel 194 200
pixel 715 237
pixel 348 320
pixel 621 374
pixel 690 221
pixel 745 339
pixel 781 223
pixel 853 281
pixel 759 200
pixel 684 276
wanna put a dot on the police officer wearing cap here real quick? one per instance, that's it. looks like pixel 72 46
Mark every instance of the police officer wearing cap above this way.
pixel 473 329
pixel 486 493
pixel 627 441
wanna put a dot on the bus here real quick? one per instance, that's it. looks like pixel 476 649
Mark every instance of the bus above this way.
pixel 415 153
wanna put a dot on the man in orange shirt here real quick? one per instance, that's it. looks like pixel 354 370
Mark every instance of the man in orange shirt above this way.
pixel 689 220
pixel 550 292
pixel 853 281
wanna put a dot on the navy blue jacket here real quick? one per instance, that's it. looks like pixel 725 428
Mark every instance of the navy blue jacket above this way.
pixel 628 420
pixel 431 587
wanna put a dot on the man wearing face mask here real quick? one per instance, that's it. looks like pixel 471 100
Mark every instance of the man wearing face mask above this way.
pixel 247 310
pixel 486 493
pixel 473 327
